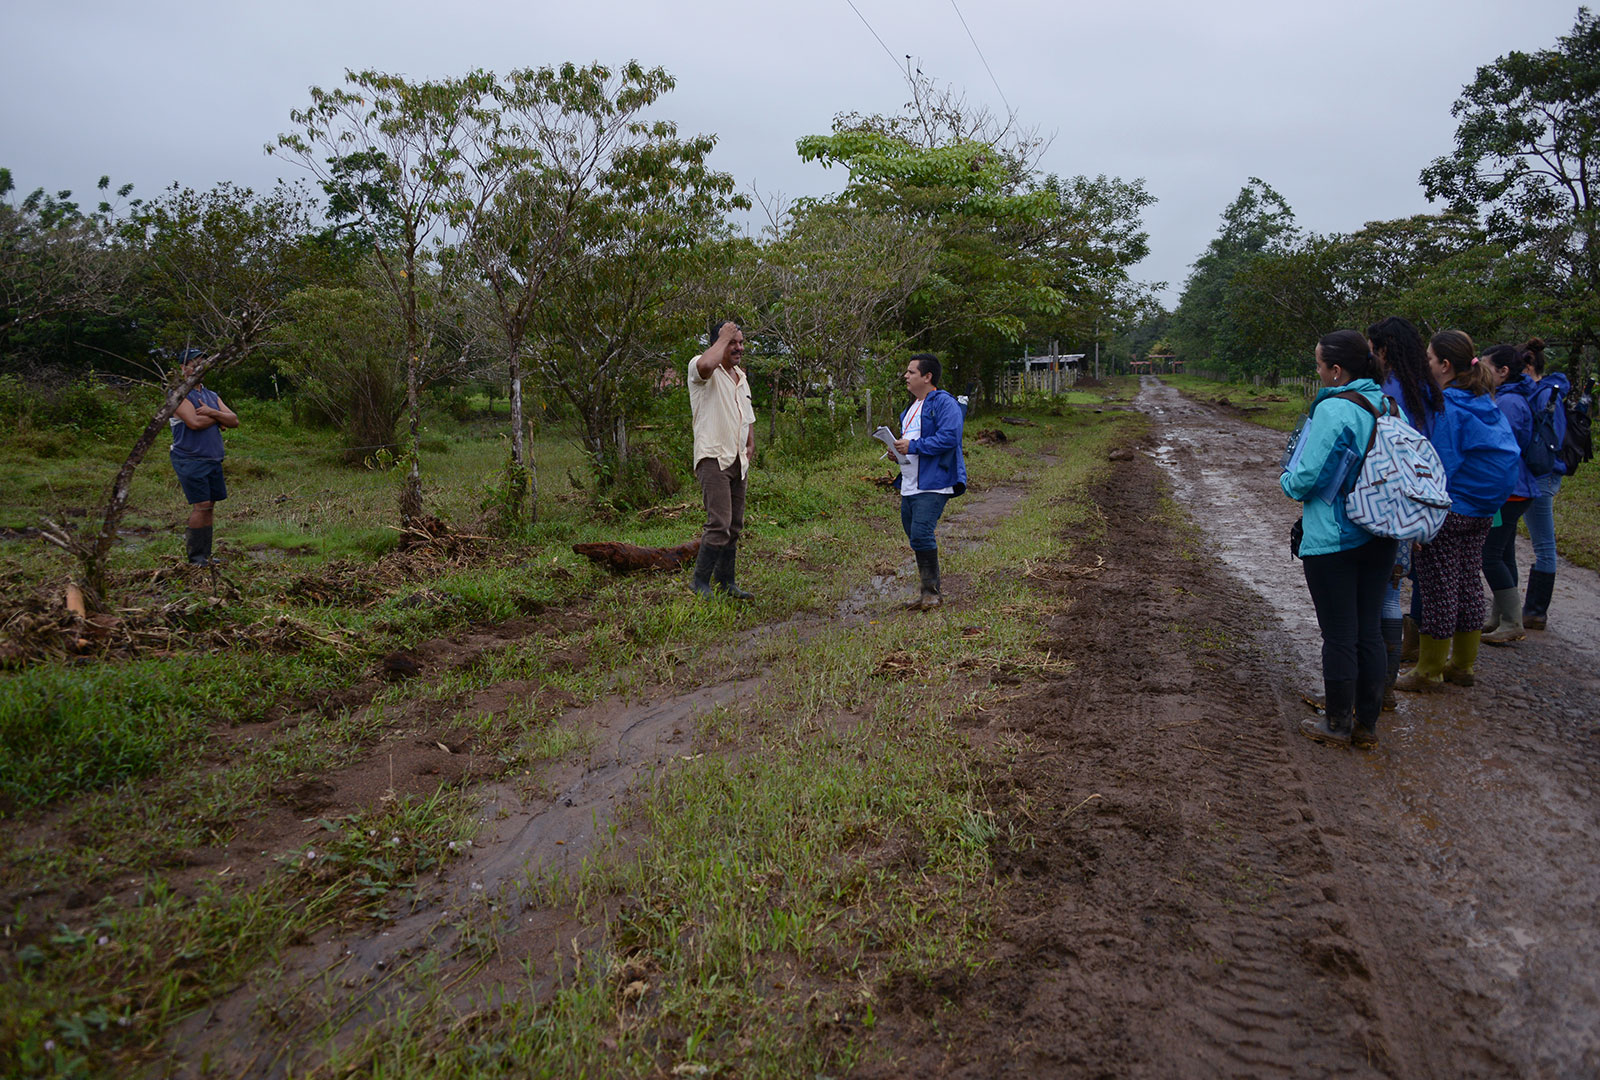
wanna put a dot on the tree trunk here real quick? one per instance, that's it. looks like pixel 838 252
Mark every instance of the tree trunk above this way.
pixel 411 487
pixel 519 455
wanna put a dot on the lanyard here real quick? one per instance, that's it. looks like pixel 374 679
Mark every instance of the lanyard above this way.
pixel 914 414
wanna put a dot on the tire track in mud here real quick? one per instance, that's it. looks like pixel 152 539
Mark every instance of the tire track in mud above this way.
pixel 1469 844
pixel 260 1030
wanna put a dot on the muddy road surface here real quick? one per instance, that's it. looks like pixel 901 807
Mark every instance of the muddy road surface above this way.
pixel 1208 894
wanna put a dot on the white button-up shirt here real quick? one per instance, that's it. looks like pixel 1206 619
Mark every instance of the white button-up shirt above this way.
pixel 722 416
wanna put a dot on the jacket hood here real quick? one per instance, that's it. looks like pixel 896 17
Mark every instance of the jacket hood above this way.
pixel 1481 406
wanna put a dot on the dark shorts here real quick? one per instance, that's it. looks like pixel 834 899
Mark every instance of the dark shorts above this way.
pixel 200 478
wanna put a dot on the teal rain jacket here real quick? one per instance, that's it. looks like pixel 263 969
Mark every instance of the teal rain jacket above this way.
pixel 1335 438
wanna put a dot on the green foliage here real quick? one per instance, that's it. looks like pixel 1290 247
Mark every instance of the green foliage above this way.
pixel 346 359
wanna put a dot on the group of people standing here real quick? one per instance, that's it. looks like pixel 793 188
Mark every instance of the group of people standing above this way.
pixel 1478 411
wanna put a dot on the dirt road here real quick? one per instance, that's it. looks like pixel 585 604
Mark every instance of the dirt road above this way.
pixel 1213 895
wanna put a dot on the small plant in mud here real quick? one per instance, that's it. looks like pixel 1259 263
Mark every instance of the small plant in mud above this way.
pixel 368 855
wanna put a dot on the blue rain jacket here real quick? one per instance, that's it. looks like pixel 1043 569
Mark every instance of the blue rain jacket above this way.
pixel 1512 397
pixel 939 460
pixel 1335 433
pixel 1479 452
pixel 1397 394
pixel 1538 396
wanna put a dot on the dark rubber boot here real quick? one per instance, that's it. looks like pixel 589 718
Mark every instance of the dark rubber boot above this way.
pixel 1541 583
pixel 724 573
pixel 928 573
pixel 1393 631
pixel 704 564
pixel 1334 726
pixel 197 544
pixel 1408 640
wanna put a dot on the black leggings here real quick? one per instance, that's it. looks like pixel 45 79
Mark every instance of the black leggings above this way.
pixel 1500 547
pixel 1347 589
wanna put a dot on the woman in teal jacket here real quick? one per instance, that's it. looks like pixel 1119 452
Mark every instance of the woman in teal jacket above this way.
pixel 1346 567
pixel 1480 459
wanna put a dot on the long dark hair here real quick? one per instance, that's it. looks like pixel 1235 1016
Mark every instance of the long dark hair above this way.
pixel 1509 357
pixel 1401 351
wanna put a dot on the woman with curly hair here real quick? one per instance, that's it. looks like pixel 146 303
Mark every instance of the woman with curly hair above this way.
pixel 1480 456
pixel 1406 380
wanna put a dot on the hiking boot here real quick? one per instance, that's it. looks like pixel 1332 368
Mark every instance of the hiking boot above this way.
pixel 1508 624
pixel 1363 738
pixel 724 571
pixel 1393 634
pixel 704 563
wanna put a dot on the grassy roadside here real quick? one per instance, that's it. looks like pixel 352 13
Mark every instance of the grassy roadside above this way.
pixel 92 981
pixel 839 853
pixel 1577 507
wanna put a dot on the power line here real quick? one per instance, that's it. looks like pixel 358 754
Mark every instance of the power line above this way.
pixel 985 59
pixel 874 33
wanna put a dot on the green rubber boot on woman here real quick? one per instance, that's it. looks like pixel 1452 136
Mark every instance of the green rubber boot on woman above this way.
pixel 1463 655
pixel 1433 654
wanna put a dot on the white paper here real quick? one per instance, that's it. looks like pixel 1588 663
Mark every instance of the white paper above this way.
pixel 886 437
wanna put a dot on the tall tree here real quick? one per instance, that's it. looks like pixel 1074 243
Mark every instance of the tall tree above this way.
pixel 409 141
pixel 1527 155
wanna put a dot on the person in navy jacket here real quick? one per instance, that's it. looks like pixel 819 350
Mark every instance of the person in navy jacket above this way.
pixel 930 435
pixel 1540 518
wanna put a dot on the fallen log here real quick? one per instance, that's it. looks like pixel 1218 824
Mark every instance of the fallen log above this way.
pixel 622 558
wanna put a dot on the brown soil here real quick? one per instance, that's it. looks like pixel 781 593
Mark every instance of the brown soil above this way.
pixel 1210 894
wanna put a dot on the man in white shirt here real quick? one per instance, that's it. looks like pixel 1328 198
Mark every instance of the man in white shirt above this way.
pixel 724 441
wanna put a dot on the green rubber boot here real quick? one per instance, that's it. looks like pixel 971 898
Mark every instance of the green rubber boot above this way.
pixel 1432 656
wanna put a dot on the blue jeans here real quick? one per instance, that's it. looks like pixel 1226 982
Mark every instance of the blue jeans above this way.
pixel 1541 522
pixel 918 515
pixel 1392 607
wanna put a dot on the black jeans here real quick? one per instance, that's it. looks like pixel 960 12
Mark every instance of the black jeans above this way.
pixel 1500 547
pixel 1347 588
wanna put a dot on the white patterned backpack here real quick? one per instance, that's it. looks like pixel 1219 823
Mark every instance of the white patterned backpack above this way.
pixel 1401 491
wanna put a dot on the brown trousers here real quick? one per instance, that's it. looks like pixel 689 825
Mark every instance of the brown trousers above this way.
pixel 723 491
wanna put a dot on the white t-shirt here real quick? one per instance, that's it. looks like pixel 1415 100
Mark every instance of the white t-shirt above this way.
pixel 908 471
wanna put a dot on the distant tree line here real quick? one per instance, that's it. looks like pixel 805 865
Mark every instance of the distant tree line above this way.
pixel 1515 252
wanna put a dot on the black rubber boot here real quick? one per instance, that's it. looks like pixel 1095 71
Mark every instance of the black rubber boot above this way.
pixel 704 564
pixel 1541 583
pixel 928 575
pixel 1334 726
pixel 723 574
pixel 1408 640
pixel 197 544
pixel 1392 633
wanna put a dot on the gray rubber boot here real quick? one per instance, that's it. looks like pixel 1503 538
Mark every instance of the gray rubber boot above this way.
pixel 704 564
pixel 197 545
pixel 1508 628
pixel 723 574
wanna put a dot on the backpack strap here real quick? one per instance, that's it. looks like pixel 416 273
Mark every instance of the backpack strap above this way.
pixel 1388 410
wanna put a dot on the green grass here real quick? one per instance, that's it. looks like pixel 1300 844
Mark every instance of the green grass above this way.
pixel 842 842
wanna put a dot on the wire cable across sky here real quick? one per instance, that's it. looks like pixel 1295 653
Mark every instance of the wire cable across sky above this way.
pixel 985 59
pixel 874 33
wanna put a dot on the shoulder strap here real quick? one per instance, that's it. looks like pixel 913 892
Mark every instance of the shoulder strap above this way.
pixel 1388 408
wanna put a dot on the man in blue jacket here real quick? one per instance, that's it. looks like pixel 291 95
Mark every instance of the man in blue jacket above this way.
pixel 930 436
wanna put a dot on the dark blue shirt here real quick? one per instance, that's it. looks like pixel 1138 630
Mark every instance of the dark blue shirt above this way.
pixel 206 443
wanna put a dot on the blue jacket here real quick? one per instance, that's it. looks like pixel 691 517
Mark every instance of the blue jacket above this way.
pixel 1335 437
pixel 939 460
pixel 1512 397
pixel 1479 452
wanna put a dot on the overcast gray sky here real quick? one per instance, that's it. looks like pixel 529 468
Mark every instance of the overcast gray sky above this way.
pixel 1337 105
